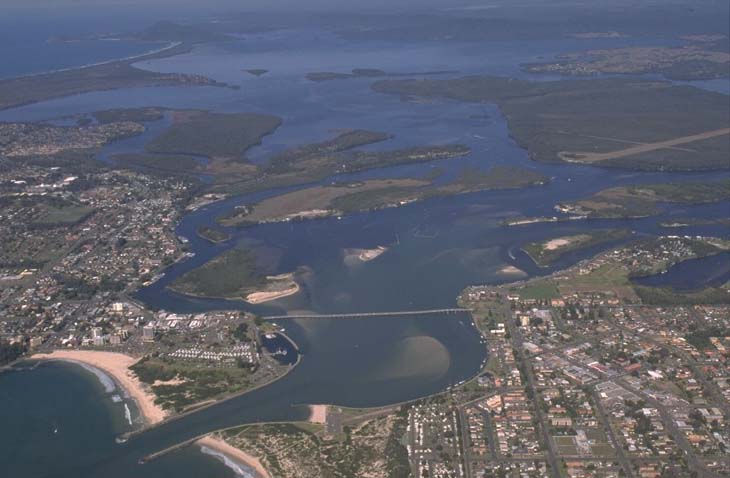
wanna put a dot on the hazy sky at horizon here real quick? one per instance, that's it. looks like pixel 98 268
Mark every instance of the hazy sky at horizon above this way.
pixel 338 4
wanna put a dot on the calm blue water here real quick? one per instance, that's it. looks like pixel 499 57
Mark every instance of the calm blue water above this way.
pixel 437 247
pixel 710 271
pixel 282 349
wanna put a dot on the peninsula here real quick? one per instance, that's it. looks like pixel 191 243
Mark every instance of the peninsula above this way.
pixel 592 121
pixel 112 75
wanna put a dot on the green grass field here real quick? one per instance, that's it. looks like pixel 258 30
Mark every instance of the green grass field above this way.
pixel 542 289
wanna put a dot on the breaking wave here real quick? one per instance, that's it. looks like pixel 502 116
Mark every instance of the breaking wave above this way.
pixel 239 469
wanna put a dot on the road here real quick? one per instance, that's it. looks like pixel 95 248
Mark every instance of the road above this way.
pixel 552 455
pixel 677 435
pixel 620 453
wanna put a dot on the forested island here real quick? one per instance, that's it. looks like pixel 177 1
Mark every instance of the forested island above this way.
pixel 235 274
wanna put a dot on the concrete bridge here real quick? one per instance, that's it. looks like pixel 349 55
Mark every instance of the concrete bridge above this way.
pixel 363 315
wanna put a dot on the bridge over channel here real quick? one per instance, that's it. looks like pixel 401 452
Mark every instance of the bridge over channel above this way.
pixel 363 315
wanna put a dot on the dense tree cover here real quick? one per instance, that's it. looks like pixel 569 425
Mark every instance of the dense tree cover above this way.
pixel 10 352
pixel 700 339
pixel 395 453
pixel 669 296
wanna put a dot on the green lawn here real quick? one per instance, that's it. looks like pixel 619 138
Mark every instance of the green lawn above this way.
pixel 539 290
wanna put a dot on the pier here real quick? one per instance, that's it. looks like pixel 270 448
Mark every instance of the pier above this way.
pixel 364 315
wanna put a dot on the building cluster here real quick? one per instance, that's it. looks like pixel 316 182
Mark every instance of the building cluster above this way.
pixel 584 378
pixel 75 247
pixel 130 235
pixel 33 139
pixel 434 441
pixel 231 356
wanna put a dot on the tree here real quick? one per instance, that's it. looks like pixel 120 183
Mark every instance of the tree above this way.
pixel 10 352
pixel 241 332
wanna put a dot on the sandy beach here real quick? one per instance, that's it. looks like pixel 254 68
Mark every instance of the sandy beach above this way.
pixel 371 254
pixel 274 289
pixel 259 297
pixel 318 413
pixel 221 446
pixel 116 365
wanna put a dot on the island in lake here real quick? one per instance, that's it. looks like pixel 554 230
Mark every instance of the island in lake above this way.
pixel 340 199
pixel 547 252
pixel 235 275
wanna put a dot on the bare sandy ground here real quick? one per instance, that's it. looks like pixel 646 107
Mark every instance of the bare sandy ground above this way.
pixel 583 157
pixel 318 413
pixel 274 292
pixel 553 244
pixel 259 297
pixel 116 365
pixel 221 446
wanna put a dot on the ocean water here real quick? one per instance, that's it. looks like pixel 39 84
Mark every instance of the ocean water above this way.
pixel 33 42
pixel 436 247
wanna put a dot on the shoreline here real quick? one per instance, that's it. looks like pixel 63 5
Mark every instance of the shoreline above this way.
pixel 259 297
pixel 318 414
pixel 534 261
pixel 222 399
pixel 354 256
pixel 115 365
pixel 131 58
pixel 256 297
pixel 239 457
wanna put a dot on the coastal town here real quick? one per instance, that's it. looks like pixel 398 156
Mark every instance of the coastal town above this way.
pixel 586 381
pixel 452 240
pixel 75 249
pixel 585 378
pixel 582 380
